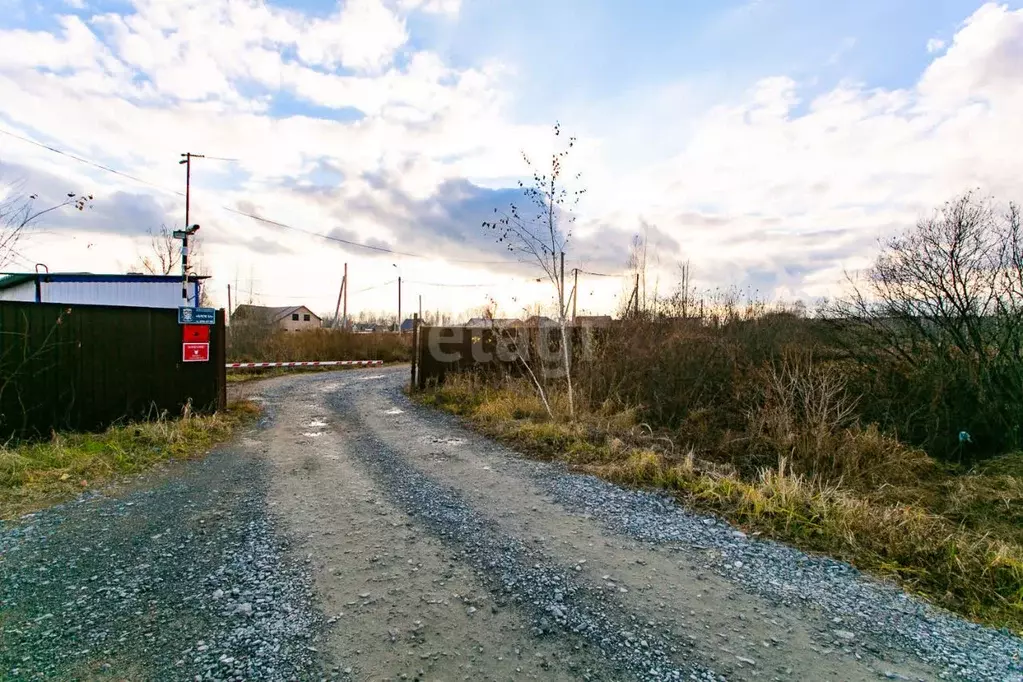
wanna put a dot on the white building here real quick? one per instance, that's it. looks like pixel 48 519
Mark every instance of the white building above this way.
pixel 83 288
pixel 290 318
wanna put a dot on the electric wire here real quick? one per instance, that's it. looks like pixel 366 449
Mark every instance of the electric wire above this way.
pixel 253 216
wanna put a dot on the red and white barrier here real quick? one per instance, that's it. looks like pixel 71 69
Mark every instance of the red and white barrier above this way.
pixel 325 363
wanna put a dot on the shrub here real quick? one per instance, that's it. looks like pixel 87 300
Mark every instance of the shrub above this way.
pixel 250 343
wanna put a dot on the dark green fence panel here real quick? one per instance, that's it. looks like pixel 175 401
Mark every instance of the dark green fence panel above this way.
pixel 84 367
pixel 444 350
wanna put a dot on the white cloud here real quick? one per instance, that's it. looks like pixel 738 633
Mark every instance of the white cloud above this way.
pixel 855 158
pixel 771 188
pixel 449 7
pixel 363 35
pixel 935 45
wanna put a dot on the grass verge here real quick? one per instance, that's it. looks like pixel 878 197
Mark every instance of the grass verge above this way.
pixel 954 537
pixel 37 474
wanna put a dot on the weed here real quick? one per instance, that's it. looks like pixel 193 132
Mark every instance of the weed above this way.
pixel 832 485
pixel 253 343
pixel 33 474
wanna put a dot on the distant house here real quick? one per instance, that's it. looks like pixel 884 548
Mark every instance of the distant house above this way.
pixel 540 321
pixel 489 323
pixel 289 318
pixel 85 288
pixel 593 321
pixel 408 325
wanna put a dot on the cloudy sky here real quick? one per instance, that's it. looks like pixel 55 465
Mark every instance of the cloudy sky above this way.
pixel 770 142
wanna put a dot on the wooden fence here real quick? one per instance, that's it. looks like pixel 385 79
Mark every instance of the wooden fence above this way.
pixel 84 367
pixel 438 351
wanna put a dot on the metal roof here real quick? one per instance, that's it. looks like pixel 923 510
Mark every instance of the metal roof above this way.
pixel 13 279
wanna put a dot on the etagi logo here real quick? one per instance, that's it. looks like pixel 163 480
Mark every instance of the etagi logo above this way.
pixel 537 348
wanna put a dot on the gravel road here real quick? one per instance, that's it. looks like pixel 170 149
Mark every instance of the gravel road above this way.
pixel 354 535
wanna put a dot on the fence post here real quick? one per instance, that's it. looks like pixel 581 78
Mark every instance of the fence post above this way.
pixel 415 349
pixel 220 357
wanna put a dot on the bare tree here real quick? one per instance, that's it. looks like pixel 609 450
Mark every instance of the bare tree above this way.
pixel 639 262
pixel 164 258
pixel 164 255
pixel 946 298
pixel 19 211
pixel 684 301
pixel 540 231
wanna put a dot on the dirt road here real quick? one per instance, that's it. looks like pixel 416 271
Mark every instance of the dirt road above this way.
pixel 434 554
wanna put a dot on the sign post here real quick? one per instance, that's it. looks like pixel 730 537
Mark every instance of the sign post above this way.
pixel 207 316
pixel 195 332
pixel 195 352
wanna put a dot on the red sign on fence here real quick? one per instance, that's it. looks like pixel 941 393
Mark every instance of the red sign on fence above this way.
pixel 195 352
pixel 195 333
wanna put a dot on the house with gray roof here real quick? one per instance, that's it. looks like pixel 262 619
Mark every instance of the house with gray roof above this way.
pixel 288 318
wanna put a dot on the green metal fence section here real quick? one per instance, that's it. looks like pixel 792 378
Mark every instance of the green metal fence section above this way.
pixel 439 351
pixel 84 367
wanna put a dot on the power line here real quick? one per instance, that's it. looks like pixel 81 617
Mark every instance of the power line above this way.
pixel 89 163
pixel 253 292
pixel 260 293
pixel 19 257
pixel 375 286
pixel 328 237
pixel 253 216
pixel 603 274
pixel 442 284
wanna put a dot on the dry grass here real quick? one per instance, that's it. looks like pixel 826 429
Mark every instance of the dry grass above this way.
pixel 804 471
pixel 248 343
pixel 36 474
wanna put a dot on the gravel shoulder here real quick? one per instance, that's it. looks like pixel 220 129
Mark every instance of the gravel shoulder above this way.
pixel 182 575
pixel 717 602
pixel 355 535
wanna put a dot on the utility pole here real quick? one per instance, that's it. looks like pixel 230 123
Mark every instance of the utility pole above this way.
pixel 340 293
pixel 399 304
pixel 345 289
pixel 636 290
pixel 183 235
pixel 420 306
pixel 229 303
pixel 190 229
pixel 575 292
pixel 188 180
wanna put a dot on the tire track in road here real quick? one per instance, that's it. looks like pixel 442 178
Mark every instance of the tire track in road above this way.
pixel 399 601
pixel 674 594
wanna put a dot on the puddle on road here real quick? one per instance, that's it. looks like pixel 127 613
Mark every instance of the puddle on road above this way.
pixel 394 410
pixel 313 435
pixel 375 376
pixel 316 423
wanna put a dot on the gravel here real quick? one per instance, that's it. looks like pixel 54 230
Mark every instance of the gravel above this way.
pixel 785 575
pixel 857 605
pixel 190 580
pixel 558 602
pixel 185 581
